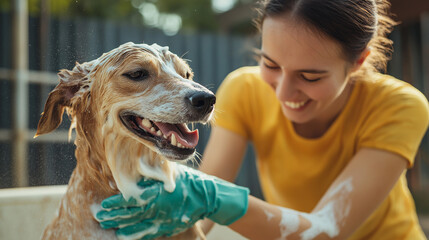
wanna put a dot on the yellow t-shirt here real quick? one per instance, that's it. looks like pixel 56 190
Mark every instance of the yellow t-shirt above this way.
pixel 295 172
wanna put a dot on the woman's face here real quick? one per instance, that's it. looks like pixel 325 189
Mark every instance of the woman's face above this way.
pixel 306 70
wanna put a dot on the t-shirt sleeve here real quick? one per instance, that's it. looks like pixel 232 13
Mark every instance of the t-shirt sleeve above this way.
pixel 232 109
pixel 397 124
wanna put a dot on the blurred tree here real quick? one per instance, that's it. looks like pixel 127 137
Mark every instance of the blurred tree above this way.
pixel 4 5
pixel 202 15
pixel 196 15
pixel 104 9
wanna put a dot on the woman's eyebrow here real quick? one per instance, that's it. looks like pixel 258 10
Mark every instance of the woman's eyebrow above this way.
pixel 265 56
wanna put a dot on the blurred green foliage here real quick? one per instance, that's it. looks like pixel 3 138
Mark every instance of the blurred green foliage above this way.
pixel 196 14
pixel 104 9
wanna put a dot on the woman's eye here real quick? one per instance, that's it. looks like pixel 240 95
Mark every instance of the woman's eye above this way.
pixel 138 75
pixel 312 79
pixel 270 66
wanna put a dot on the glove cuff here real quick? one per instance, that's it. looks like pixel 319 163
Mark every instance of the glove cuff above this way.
pixel 231 203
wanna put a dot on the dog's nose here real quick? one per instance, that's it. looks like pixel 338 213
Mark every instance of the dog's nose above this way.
pixel 202 101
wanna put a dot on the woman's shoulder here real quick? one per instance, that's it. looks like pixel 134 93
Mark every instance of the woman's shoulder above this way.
pixel 386 88
pixel 244 80
pixel 244 75
pixel 247 71
pixel 386 98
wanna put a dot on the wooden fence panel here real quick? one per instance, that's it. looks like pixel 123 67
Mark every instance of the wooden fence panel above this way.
pixel 424 28
pixel 5 164
pixel 130 33
pixel 395 65
pixel 178 45
pixel 424 149
pixel 53 48
pixel 191 44
pixel 109 36
pixel 415 59
pixel 66 46
pixel 50 163
pixel 5 40
pixel 5 84
pixel 34 43
pixel 5 103
pixel 223 60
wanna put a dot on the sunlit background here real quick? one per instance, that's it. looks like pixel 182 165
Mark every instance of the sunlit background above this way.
pixel 168 15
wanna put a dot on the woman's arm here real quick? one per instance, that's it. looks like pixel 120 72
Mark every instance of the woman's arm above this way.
pixel 222 157
pixel 352 197
pixel 223 154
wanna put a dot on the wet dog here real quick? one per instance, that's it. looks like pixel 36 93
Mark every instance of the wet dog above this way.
pixel 130 109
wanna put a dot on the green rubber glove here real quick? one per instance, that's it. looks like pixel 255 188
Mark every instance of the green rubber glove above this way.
pixel 161 213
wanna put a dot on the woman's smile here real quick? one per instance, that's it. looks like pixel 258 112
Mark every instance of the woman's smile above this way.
pixel 296 105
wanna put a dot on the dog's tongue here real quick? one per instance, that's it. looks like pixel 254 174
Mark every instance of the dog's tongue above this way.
pixel 184 136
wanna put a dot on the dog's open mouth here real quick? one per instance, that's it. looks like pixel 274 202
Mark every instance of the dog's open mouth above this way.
pixel 167 137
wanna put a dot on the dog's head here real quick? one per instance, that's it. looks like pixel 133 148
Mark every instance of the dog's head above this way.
pixel 141 91
pixel 131 102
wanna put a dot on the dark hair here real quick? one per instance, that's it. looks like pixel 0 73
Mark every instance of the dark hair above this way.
pixel 355 24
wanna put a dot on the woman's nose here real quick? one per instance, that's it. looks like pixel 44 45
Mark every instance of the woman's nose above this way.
pixel 286 87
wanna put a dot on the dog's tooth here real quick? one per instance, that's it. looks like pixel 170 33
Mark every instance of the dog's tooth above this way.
pixel 152 129
pixel 159 133
pixel 146 123
pixel 165 137
pixel 173 140
pixel 179 145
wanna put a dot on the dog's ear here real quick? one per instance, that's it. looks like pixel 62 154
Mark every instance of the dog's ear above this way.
pixel 60 98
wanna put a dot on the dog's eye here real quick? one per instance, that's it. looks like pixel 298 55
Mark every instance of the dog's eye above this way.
pixel 187 75
pixel 137 75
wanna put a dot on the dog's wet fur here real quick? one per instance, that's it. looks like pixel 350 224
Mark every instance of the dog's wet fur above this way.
pixel 130 109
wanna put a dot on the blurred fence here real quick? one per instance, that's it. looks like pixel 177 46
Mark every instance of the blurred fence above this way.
pixel 60 43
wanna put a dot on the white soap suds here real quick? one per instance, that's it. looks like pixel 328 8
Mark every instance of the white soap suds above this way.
pixel 156 172
pixel 326 220
pixel 289 223
pixel 129 188
pixel 95 208
pixel 344 187
pixel 323 221
pixel 138 235
pixel 269 215
pixel 185 219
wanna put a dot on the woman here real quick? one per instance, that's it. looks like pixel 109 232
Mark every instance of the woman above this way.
pixel 333 136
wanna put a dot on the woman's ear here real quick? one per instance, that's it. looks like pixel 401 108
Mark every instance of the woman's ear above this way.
pixel 60 98
pixel 362 57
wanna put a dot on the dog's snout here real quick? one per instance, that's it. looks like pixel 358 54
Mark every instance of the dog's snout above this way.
pixel 202 101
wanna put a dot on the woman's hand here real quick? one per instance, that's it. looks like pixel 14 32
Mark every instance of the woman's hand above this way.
pixel 160 213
